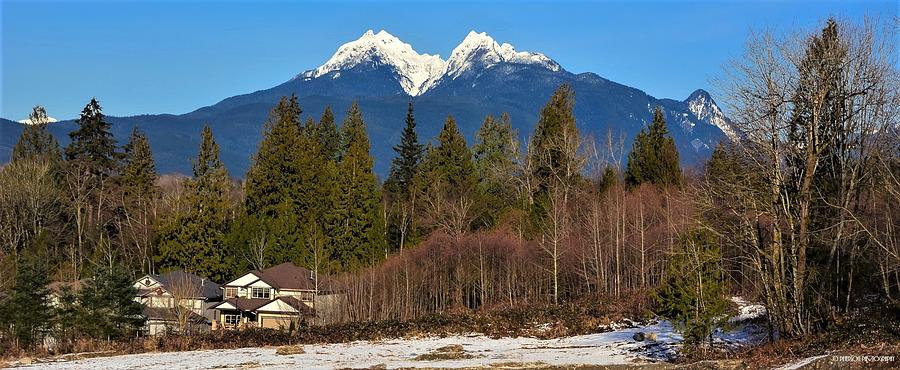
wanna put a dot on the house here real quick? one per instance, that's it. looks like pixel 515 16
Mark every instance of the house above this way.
pixel 271 298
pixel 177 300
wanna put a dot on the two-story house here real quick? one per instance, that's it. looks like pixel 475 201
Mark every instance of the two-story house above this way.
pixel 271 298
pixel 177 301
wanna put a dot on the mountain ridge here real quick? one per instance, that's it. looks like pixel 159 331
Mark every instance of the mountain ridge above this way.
pixel 495 79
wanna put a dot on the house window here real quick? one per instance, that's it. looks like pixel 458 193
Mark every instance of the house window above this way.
pixel 232 319
pixel 260 293
pixel 307 296
pixel 230 292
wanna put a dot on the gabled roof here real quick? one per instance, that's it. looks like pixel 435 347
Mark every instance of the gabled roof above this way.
pixel 206 288
pixel 243 304
pixel 287 276
pixel 292 302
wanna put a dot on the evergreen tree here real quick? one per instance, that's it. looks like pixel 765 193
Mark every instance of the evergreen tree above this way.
pixel 357 216
pixel 107 308
pixel 451 161
pixel 554 134
pixel 194 240
pixel 274 177
pixel 92 149
pixel 446 182
pixel 36 140
pixel 139 174
pixel 27 312
pixel 496 155
pixel 409 154
pixel 328 136
pixel 694 295
pixel 653 158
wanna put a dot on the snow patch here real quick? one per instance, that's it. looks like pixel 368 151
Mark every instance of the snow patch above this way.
pixel 705 109
pixel 801 363
pixel 746 310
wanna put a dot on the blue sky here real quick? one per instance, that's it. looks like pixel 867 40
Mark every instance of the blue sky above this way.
pixel 174 57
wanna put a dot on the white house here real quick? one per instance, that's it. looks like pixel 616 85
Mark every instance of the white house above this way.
pixel 177 300
pixel 271 298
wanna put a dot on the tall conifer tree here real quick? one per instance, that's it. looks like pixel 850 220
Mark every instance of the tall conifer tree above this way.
pixel 93 148
pixel 451 161
pixel 194 241
pixel 653 158
pixel 328 136
pixel 36 140
pixel 409 154
pixel 555 131
pixel 274 177
pixel 139 173
pixel 358 227
pixel 496 154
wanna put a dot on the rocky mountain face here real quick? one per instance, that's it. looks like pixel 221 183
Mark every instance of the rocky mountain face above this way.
pixel 383 74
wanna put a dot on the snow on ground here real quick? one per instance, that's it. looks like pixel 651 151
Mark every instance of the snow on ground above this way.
pixel 747 311
pixel 609 348
pixel 616 347
pixel 801 363
pixel 745 329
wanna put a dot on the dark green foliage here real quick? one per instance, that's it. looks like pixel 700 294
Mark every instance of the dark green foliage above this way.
pixel 288 187
pixel 694 294
pixel 107 308
pixel 93 148
pixel 554 135
pixel 275 175
pixel 139 174
pixel 26 315
pixel 36 141
pixel 409 154
pixel 356 221
pixel 553 152
pixel 65 320
pixel 327 135
pixel 653 158
pixel 496 156
pixel 609 179
pixel 194 240
pixel 449 164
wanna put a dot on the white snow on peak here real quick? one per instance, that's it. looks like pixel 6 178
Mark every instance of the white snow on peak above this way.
pixel 416 71
pixel 420 72
pixel 707 110
pixel 481 49
pixel 27 121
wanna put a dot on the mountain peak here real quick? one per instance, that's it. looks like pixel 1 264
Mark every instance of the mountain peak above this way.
pixel 27 121
pixel 419 72
pixel 415 71
pixel 700 95
pixel 702 105
pixel 480 50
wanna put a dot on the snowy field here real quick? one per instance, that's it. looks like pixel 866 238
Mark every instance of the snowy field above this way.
pixel 615 347
pixel 610 348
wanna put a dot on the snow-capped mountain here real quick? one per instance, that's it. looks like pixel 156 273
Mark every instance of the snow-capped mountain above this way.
pixel 480 51
pixel 705 109
pixel 27 121
pixel 418 73
pixel 383 74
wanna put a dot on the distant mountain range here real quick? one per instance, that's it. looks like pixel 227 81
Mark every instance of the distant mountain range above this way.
pixel 383 74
